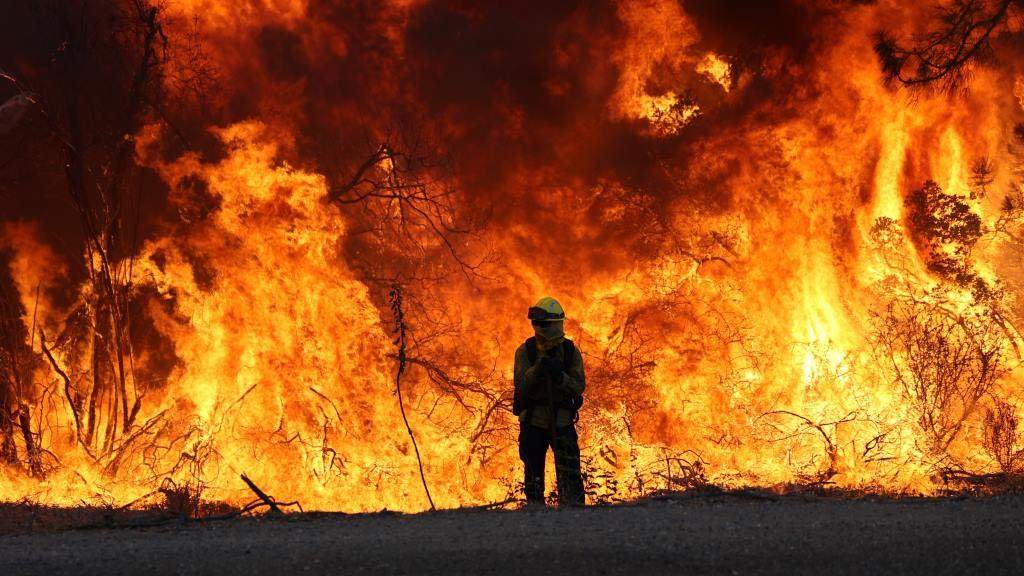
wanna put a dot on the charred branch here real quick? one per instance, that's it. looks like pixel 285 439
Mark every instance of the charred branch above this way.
pixel 270 502
pixel 400 344
pixel 18 389
pixel 72 403
pixel 404 196
pixel 943 57
pixel 826 431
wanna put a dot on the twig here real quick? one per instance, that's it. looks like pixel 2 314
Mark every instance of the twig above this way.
pixel 331 402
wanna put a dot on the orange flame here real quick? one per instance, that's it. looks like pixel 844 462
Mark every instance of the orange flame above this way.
pixel 732 338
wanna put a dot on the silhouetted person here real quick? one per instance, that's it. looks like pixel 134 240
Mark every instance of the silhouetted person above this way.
pixel 549 383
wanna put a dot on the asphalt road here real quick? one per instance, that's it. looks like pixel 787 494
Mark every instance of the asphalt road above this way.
pixel 724 535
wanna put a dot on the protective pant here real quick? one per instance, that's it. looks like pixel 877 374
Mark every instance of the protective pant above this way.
pixel 533 449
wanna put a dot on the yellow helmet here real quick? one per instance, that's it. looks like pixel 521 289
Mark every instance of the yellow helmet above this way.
pixel 547 308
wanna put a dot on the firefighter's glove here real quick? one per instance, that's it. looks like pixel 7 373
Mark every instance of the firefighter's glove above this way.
pixel 552 367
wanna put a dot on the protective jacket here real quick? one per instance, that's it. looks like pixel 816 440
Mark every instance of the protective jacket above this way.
pixel 532 384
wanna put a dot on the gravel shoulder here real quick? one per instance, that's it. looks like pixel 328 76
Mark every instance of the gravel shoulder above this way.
pixel 725 535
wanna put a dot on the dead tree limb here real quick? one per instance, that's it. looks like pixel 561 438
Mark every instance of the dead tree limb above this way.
pixel 67 386
pixel 396 309
pixel 490 505
pixel 274 510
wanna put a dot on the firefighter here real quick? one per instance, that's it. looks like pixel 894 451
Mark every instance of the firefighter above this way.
pixel 549 383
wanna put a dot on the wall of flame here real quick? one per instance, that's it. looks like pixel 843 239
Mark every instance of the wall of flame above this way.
pixel 697 187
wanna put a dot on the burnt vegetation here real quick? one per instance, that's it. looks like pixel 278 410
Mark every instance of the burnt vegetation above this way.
pixel 20 442
pixel 947 353
pixel 112 54
pixel 99 74
pixel 106 72
pixel 945 364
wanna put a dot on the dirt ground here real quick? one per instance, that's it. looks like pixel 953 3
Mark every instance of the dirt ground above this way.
pixel 719 535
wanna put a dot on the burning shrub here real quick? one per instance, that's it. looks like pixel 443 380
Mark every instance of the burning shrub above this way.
pixel 944 362
pixel 983 174
pixel 1002 439
pixel 1011 218
pixel 183 499
pixel 674 471
pixel 599 483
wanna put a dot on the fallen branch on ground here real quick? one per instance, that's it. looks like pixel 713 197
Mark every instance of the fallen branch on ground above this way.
pixel 274 509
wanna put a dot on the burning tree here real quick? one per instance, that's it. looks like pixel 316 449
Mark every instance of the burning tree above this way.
pixel 962 35
pixel 412 236
pixel 105 78
pixel 1002 436
pixel 948 228
pixel 18 388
